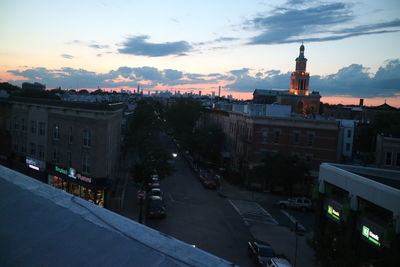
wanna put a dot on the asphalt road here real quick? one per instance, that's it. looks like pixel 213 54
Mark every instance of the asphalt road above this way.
pixel 200 217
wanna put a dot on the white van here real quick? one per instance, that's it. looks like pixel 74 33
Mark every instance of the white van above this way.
pixel 278 262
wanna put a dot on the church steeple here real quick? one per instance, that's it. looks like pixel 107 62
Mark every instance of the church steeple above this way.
pixel 300 78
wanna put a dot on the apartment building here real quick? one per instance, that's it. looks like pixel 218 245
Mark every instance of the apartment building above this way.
pixel 71 146
pixel 249 137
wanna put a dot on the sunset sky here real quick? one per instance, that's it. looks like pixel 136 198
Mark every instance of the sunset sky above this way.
pixel 352 46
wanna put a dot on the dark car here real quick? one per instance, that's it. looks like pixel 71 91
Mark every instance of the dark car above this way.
pixel 261 252
pixel 155 207
pixel 209 183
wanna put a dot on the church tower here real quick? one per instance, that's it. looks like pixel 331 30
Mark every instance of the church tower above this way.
pixel 299 79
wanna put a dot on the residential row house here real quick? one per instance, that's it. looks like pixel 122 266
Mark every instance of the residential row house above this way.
pixel 72 146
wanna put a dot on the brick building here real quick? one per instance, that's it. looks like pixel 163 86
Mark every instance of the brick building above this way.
pixel 72 146
pixel 249 137
pixel 387 152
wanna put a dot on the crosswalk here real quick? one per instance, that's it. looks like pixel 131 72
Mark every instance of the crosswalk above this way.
pixel 252 212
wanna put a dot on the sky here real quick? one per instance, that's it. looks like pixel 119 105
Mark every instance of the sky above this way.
pixel 352 47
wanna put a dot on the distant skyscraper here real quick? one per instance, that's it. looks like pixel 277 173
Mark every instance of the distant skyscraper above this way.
pixel 219 91
pixel 199 93
pixel 212 94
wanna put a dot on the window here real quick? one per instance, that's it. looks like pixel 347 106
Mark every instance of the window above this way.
pixel 23 125
pixel 276 137
pixel 33 127
pixel 16 124
pixel 348 133
pixel 264 136
pixel 42 130
pixel 87 137
pixel 296 137
pixel 15 145
pixel 56 156
pixel 69 158
pixel 41 151
pixel 85 163
pixel 398 159
pixel 23 146
pixel 388 160
pixel 309 157
pixel 310 141
pixel 56 133
pixel 33 149
pixel 70 135
pixel 347 147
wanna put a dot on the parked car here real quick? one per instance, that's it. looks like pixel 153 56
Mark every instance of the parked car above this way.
pixel 302 203
pixel 155 207
pixel 261 252
pixel 278 262
pixel 155 192
pixel 209 183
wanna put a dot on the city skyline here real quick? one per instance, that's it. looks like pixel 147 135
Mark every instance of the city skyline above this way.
pixel 350 46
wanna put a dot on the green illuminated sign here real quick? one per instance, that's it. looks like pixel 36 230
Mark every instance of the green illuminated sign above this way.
pixel 374 238
pixel 61 170
pixel 333 213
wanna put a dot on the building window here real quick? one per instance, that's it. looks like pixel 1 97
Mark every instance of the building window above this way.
pixel 348 133
pixel 309 157
pixel 56 156
pixel 310 141
pixel 41 151
pixel 264 136
pixel 347 147
pixel 33 149
pixel 42 130
pixel 70 135
pixel 69 158
pixel 296 137
pixel 16 124
pixel 398 159
pixel 15 145
pixel 388 160
pixel 33 127
pixel 85 163
pixel 276 137
pixel 23 125
pixel 23 146
pixel 56 132
pixel 87 137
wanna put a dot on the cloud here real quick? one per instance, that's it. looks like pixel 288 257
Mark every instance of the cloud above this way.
pixel 138 45
pixel 355 80
pixel 312 24
pixel 67 56
pixel 97 46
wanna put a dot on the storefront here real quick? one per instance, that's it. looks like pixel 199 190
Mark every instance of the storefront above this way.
pixel 91 189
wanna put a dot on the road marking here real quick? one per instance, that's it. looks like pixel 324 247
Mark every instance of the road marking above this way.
pixel 252 212
pixel 294 220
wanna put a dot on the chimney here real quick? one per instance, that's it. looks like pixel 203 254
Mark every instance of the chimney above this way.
pixel 361 102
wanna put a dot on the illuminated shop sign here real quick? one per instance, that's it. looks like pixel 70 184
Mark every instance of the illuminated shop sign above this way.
pixel 71 172
pixel 374 238
pixel 333 213
pixel 35 164
pixel 61 170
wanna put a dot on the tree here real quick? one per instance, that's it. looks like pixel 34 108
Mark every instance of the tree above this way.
pixel 33 93
pixel 282 170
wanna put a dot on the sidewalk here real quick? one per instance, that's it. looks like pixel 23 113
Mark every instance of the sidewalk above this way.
pixel 235 192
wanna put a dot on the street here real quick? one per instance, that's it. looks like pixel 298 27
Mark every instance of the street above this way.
pixel 203 218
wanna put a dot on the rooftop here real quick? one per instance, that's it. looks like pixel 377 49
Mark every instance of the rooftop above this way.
pixel 44 226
